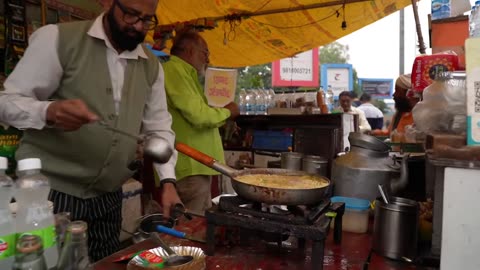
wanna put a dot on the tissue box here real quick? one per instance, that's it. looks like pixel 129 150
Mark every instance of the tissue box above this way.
pixel 472 52
pixel 131 207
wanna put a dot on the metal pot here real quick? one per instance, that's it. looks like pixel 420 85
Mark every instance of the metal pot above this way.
pixel 359 172
pixel 395 232
pixel 315 165
pixel 291 161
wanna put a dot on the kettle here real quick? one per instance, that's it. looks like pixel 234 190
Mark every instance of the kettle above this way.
pixel 358 173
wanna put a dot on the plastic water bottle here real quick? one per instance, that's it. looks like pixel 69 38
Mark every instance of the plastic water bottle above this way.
pixel 329 101
pixel 242 101
pixel 260 101
pixel 34 215
pixel 471 21
pixel 271 98
pixel 474 20
pixel 7 226
pixel 250 102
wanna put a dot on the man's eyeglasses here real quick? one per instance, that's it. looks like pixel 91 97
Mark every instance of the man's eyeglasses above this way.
pixel 129 17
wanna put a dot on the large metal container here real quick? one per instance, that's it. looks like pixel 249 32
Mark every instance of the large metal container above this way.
pixel 291 161
pixel 315 165
pixel 358 173
pixel 395 231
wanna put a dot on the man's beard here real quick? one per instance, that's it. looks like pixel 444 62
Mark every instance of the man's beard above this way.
pixel 402 105
pixel 121 38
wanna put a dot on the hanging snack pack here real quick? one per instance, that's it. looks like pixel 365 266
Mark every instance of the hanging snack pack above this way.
pixel 9 140
pixel 426 67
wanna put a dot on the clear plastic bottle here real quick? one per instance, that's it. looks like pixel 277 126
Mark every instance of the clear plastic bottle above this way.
pixel 260 102
pixel 242 95
pixel 471 21
pixel 250 102
pixel 475 20
pixel 34 215
pixel 271 96
pixel 74 254
pixel 329 100
pixel 7 225
pixel 29 255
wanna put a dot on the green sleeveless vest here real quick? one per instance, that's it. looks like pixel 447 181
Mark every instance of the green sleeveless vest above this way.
pixel 92 160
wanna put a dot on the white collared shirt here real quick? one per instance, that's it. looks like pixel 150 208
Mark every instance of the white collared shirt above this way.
pixel 37 76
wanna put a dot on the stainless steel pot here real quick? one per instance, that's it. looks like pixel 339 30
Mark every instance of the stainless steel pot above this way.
pixel 395 232
pixel 291 161
pixel 358 173
pixel 315 165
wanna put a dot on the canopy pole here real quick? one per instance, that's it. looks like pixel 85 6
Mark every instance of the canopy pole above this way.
pixel 43 8
pixel 421 43
pixel 288 10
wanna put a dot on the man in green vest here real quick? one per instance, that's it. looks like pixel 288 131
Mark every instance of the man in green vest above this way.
pixel 73 75
pixel 195 123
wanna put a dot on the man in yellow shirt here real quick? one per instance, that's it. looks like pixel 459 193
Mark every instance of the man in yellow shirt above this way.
pixel 195 123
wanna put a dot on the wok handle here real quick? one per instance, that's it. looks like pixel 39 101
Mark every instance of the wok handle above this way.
pixel 204 159
pixel 195 154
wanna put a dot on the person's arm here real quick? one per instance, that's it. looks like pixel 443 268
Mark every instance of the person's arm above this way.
pixel 158 121
pixel 363 125
pixel 24 102
pixel 182 90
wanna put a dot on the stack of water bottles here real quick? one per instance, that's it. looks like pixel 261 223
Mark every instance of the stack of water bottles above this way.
pixel 474 20
pixel 256 101
pixel 28 237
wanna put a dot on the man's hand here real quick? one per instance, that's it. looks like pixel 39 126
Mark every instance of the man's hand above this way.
pixel 169 198
pixel 70 114
pixel 234 110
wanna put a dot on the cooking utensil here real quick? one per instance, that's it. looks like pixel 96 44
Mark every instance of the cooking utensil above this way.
pixel 395 229
pixel 155 147
pixel 256 193
pixel 179 234
pixel 173 259
pixel 384 194
pixel 146 225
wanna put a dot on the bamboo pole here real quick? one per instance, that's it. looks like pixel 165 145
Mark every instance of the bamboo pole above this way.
pixel 421 43
pixel 43 7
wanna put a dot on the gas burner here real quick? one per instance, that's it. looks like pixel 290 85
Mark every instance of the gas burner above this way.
pixel 302 222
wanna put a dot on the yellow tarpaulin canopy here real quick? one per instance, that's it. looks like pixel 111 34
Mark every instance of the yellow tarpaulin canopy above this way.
pixel 261 31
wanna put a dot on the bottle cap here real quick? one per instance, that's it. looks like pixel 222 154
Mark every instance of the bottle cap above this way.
pixel 29 164
pixel 3 163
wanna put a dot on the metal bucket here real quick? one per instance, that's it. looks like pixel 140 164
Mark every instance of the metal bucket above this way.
pixel 315 165
pixel 395 231
pixel 291 161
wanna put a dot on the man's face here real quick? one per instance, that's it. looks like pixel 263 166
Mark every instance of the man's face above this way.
pixel 129 21
pixel 402 103
pixel 200 57
pixel 345 103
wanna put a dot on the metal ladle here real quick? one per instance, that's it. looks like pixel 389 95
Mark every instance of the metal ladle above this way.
pixel 173 258
pixel 155 147
pixel 384 194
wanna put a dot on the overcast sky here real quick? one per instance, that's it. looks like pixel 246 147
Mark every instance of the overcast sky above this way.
pixel 374 49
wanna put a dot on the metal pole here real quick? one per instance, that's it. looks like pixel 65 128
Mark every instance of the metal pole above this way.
pixel 43 8
pixel 402 43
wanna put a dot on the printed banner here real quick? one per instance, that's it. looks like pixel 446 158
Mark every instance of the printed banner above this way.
pixel 300 70
pixel 220 86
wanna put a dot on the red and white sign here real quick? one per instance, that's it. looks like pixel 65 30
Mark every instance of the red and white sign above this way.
pixel 300 70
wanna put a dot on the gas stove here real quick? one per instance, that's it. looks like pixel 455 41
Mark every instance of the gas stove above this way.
pixel 277 223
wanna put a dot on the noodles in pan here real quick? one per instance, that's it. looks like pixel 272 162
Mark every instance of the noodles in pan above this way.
pixel 284 181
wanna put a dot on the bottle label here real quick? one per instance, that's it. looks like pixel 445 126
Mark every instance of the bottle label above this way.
pixel 7 246
pixel 47 234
